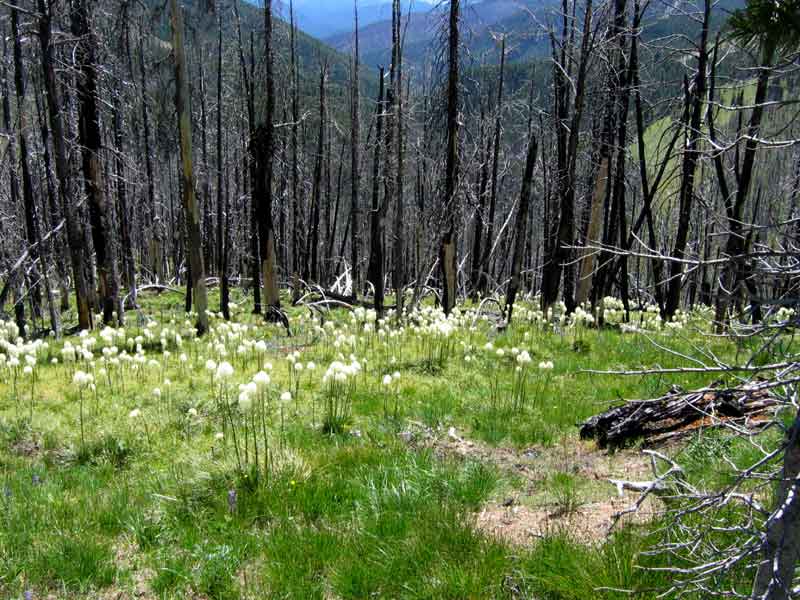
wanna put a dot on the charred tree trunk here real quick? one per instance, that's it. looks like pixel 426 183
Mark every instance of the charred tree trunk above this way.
pixel 151 211
pixel 487 247
pixel 477 234
pixel 398 251
pixel 222 271
pixel 520 227
pixel 312 272
pixel 90 140
pixel 191 209
pixel 375 272
pixel 15 279
pixel 735 271
pixel 447 248
pixel 262 186
pixel 355 161
pixel 691 157
pixel 558 251
pixel 75 234
pixel 298 253
pixel 122 201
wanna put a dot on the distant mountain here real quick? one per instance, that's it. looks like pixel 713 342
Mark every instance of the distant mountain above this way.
pixel 325 18
pixel 523 21
pixel 481 22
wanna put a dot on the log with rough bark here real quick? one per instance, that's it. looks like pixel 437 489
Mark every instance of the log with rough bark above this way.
pixel 679 413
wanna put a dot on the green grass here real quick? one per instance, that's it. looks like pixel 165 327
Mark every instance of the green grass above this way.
pixel 158 503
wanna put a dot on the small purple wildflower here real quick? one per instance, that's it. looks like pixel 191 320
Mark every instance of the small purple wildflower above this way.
pixel 28 595
pixel 232 500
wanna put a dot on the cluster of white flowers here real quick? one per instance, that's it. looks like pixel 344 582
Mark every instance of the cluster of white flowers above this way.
pixel 82 379
pixel 262 380
pixel 581 317
pixel 9 331
pixel 613 310
pixel 339 371
pixel 523 358
pixel 389 379
pixel 247 391
pixel 223 371
pixel 18 355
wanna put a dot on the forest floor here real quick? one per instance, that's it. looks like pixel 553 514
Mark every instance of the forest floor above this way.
pixel 424 464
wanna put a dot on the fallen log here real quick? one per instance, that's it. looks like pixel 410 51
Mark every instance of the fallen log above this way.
pixel 679 413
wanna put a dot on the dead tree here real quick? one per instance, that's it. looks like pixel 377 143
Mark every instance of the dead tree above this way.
pixel 521 224
pixel 191 209
pixel 483 277
pixel 355 159
pixel 222 267
pixel 695 96
pixel 447 247
pixel 312 271
pixel 375 271
pixel 567 126
pixel 75 234
pixel 262 186
pixel 91 145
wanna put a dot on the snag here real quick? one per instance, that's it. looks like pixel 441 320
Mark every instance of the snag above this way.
pixel 679 413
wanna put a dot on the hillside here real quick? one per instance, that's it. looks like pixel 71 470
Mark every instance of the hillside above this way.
pixel 523 21
pixel 481 20
pixel 310 51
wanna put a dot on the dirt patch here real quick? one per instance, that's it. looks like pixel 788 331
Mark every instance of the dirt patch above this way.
pixel 591 523
pixel 26 448
pixel 579 458
pixel 529 513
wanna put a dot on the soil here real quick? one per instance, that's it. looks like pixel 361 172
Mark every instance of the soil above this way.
pixel 527 514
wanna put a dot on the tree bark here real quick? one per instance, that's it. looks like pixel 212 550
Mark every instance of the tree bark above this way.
pixel 262 186
pixel 561 238
pixel 375 271
pixel 735 271
pixel 691 158
pixel 75 234
pixel 447 248
pixel 520 227
pixel 777 570
pixel 487 247
pixel 191 209
pixel 90 140
pixel 222 271
pixel 355 161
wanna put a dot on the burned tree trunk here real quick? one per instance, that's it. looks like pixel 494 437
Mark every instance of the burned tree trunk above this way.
pixel 312 272
pixel 75 236
pixel 521 225
pixel 222 270
pixel 447 248
pixel 558 250
pixel 679 413
pixel 483 277
pixel 91 144
pixel 190 207
pixel 777 570
pixel 375 271
pixel 691 157
pixel 262 186
pixel 355 162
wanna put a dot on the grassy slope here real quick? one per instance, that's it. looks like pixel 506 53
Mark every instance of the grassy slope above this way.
pixel 145 507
